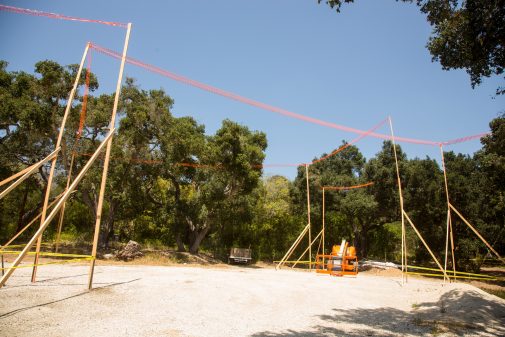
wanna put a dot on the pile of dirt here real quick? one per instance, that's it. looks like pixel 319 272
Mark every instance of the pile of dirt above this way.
pixel 388 272
pixel 131 251
pixel 184 257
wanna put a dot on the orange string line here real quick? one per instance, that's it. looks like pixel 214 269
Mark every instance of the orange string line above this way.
pixel 343 147
pixel 85 99
pixel 34 12
pixel 271 108
pixel 343 188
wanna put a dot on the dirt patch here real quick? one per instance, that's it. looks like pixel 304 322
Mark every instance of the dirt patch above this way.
pixel 388 272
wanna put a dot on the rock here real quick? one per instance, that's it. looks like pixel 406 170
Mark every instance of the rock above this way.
pixel 108 256
pixel 130 251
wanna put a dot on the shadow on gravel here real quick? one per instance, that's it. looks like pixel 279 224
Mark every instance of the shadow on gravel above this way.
pixel 39 282
pixel 13 312
pixel 456 312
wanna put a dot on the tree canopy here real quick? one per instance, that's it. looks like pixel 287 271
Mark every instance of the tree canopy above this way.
pixel 173 185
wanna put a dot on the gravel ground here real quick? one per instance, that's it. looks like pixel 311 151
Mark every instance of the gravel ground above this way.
pixel 238 301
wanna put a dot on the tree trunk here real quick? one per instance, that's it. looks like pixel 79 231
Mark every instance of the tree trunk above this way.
pixel 356 235
pixel 180 244
pixel 178 222
pixel 89 198
pixel 107 227
pixel 199 236
pixel 22 210
pixel 364 241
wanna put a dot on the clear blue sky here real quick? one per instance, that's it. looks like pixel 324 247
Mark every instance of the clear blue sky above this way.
pixel 354 68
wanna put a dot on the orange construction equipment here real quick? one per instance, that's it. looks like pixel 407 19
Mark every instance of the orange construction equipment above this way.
pixel 342 261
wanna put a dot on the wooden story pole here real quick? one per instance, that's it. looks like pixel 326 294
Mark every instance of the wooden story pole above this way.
pixel 449 220
pixel 308 215
pixel 107 159
pixel 53 163
pixel 404 242
pixel 323 223
pixel 55 210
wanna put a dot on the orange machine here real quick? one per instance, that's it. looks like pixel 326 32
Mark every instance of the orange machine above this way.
pixel 342 261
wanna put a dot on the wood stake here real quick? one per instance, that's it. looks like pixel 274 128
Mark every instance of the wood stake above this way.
pixel 53 163
pixel 107 158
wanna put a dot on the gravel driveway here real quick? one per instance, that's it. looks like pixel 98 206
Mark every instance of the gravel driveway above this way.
pixel 238 301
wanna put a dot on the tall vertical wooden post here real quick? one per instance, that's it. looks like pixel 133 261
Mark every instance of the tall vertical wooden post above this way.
pixel 308 216
pixel 404 241
pixel 72 160
pixel 323 225
pixel 449 219
pixel 107 158
pixel 53 163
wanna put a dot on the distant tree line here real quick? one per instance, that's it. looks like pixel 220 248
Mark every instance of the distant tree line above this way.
pixel 172 185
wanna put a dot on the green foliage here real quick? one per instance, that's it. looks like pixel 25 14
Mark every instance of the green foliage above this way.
pixel 170 183
pixel 274 227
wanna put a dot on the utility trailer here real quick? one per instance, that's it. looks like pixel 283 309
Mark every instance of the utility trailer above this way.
pixel 240 255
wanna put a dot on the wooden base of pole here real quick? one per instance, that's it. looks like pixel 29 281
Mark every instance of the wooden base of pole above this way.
pixel 91 274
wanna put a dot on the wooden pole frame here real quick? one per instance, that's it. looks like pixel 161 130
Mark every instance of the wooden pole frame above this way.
pixel 107 159
pixel 55 210
pixel 305 251
pixel 292 248
pixel 53 163
pixel 404 241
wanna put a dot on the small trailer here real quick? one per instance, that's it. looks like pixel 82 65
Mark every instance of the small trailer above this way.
pixel 240 255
